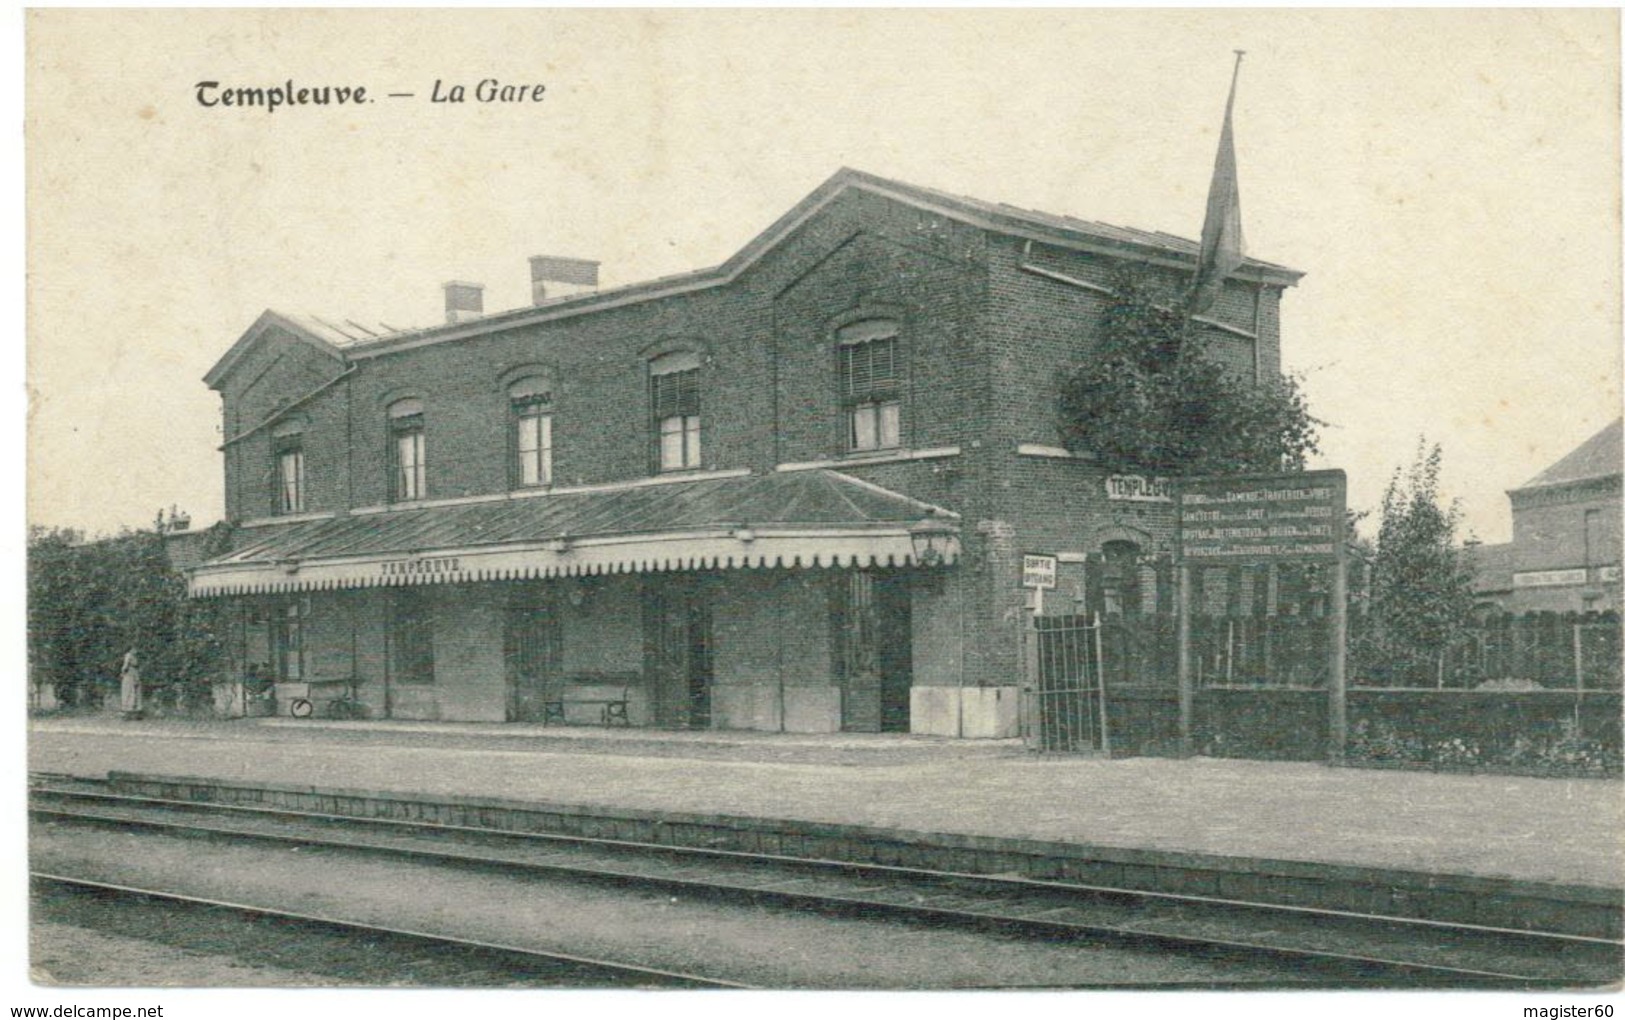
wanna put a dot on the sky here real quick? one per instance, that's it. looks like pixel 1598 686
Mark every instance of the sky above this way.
pixel 1448 180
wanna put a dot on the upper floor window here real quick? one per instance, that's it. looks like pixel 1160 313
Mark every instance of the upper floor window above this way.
pixel 674 398
pixel 407 469
pixel 530 401
pixel 870 394
pixel 288 471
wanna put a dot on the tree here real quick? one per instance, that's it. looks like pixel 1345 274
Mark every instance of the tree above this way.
pixel 1152 399
pixel 1421 580
pixel 56 642
pixel 89 602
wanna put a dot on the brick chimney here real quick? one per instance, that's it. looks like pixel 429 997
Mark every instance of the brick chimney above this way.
pixel 552 276
pixel 464 301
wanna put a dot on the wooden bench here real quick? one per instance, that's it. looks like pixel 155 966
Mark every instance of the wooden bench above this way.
pixel 611 693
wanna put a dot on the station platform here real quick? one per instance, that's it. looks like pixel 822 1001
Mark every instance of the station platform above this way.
pixel 1563 831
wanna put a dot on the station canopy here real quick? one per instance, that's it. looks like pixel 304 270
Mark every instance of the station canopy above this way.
pixel 813 518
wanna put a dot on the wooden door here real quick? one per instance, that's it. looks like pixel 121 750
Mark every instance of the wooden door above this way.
pixel 677 632
pixel 532 652
pixel 874 650
pixel 894 634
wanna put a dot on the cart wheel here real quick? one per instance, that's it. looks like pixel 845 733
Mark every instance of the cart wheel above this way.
pixel 300 708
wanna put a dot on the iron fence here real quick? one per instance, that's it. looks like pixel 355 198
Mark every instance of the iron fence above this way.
pixel 1532 651
pixel 1067 688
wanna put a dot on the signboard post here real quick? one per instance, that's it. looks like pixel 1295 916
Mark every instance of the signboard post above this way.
pixel 1285 518
pixel 1038 573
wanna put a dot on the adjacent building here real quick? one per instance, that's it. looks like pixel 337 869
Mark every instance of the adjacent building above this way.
pixel 1565 550
pixel 791 492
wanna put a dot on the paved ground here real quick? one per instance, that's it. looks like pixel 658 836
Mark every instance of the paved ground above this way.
pixel 1531 829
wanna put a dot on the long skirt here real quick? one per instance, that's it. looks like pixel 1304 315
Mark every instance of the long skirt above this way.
pixel 130 691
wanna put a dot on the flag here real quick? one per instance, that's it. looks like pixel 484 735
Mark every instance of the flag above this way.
pixel 1222 246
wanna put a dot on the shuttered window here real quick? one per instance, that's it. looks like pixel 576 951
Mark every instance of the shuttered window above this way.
pixel 869 369
pixel 674 399
pixel 867 360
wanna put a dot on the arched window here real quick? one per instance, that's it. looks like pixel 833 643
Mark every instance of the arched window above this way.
pixel 871 401
pixel 288 468
pixel 407 469
pixel 530 403
pixel 1120 577
pixel 674 401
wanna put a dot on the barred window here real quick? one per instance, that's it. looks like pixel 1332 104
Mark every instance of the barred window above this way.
pixel 288 639
pixel 867 360
pixel 408 471
pixel 674 399
pixel 530 401
pixel 411 638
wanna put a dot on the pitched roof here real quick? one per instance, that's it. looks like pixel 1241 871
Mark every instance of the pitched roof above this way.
pixel 357 340
pixel 269 321
pixel 1597 457
pixel 347 332
pixel 999 214
pixel 1492 567
pixel 801 518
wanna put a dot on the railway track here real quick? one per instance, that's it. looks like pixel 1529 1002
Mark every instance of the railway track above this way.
pixel 1349 949
pixel 477 957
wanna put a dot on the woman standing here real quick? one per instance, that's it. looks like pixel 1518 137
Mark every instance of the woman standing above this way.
pixel 129 677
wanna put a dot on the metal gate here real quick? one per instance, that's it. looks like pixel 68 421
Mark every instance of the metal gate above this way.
pixel 1066 685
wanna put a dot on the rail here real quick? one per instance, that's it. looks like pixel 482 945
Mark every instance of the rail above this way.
pixel 1408 951
pixel 522 956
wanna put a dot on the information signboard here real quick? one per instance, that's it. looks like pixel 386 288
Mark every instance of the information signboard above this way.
pixel 1262 518
pixel 1037 571
pixel 1250 519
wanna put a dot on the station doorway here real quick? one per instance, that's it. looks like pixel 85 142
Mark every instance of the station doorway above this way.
pixel 873 626
pixel 677 642
pixel 531 654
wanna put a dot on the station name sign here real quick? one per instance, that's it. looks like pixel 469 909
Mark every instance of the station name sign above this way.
pixel 1139 489
pixel 1261 518
pixel 424 565
pixel 1549 578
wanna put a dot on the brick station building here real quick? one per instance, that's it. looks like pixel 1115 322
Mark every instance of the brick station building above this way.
pixel 1565 550
pixel 791 492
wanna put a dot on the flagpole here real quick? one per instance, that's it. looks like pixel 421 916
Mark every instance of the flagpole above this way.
pixel 1187 305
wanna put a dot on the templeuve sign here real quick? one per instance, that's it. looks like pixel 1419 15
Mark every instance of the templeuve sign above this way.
pixel 1248 518
pixel 420 565
pixel 1139 489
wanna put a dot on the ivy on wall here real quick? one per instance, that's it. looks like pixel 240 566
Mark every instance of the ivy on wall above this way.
pixel 1153 399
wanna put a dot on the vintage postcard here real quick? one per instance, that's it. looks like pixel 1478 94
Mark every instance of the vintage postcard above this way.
pixel 1080 500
